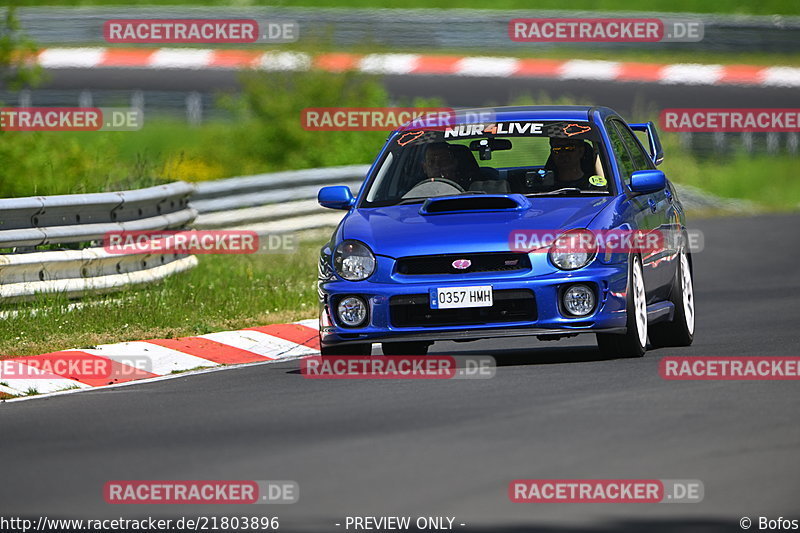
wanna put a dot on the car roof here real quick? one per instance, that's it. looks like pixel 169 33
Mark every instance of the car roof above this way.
pixel 524 113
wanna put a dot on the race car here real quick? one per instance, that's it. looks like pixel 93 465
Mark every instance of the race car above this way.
pixel 511 221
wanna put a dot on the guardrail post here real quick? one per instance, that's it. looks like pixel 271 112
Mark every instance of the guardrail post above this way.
pixel 137 100
pixel 791 143
pixel 24 98
pixel 194 108
pixel 719 141
pixel 747 141
pixel 85 99
pixel 772 142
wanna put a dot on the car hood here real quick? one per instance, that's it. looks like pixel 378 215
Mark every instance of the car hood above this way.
pixel 400 230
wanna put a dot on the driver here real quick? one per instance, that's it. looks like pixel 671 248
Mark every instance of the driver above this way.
pixel 567 155
pixel 440 163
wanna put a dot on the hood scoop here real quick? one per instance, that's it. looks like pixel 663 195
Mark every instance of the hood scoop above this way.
pixel 474 202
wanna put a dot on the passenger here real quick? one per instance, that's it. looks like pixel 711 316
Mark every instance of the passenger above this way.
pixel 573 165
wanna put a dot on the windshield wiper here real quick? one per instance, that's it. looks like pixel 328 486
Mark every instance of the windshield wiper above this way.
pixel 566 190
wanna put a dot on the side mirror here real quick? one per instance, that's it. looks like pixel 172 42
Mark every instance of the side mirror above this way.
pixel 336 197
pixel 647 181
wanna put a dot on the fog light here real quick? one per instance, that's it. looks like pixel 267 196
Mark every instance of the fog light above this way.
pixel 579 300
pixel 352 311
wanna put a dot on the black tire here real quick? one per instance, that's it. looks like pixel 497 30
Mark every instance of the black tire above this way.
pixel 347 349
pixel 405 348
pixel 680 330
pixel 632 343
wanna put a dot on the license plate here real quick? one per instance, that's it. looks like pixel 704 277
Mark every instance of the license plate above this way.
pixel 454 297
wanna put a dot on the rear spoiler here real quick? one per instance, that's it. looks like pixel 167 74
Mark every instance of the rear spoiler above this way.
pixel 656 150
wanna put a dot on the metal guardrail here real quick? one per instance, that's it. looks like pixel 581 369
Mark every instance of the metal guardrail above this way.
pixel 83 219
pixel 272 203
pixel 414 28
pixel 268 197
pixel 265 203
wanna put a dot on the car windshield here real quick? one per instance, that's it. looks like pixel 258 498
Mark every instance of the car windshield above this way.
pixel 534 158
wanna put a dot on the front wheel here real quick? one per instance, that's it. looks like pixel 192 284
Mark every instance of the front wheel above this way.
pixel 633 343
pixel 679 331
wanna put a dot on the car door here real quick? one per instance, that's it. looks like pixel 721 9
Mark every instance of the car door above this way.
pixel 645 207
pixel 664 261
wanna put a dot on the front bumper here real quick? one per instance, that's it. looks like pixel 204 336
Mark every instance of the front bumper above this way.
pixel 609 316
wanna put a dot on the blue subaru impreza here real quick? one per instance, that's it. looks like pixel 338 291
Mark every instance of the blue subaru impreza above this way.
pixel 504 222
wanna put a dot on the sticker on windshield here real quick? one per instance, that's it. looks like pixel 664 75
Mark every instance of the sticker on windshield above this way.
pixel 576 129
pixel 598 181
pixel 568 129
pixel 408 137
pixel 499 128
pixel 412 136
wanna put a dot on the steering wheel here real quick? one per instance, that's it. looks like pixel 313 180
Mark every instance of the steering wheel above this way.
pixel 443 180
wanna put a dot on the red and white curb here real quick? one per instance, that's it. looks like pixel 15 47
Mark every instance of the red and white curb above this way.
pixel 417 64
pixel 133 361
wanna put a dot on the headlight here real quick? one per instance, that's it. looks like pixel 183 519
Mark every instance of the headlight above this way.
pixel 579 300
pixel 352 311
pixel 573 249
pixel 353 260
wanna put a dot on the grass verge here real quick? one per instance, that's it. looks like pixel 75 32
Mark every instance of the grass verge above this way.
pixel 767 180
pixel 225 292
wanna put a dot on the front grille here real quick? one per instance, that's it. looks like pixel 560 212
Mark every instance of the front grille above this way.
pixel 510 305
pixel 443 264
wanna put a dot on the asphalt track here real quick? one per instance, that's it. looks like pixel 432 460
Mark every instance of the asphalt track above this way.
pixel 460 91
pixel 450 448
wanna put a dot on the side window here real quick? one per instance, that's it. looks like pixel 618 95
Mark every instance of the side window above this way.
pixel 624 161
pixel 641 161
